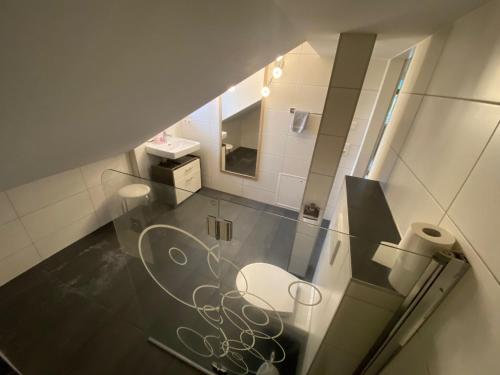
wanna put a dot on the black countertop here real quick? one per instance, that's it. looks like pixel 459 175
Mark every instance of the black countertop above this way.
pixel 370 222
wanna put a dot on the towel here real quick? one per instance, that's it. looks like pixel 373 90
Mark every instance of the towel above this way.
pixel 299 121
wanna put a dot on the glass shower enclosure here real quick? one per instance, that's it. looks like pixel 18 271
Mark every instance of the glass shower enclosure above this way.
pixel 214 280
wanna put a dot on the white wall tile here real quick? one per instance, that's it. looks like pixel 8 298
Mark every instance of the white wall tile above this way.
pixel 40 193
pixel 276 121
pixel 366 102
pixel 425 58
pixel 92 172
pixel 311 98
pixel 13 237
pixel 357 131
pixel 477 206
pixel 315 70
pixel 283 96
pixel 474 41
pixel 297 165
pixel 402 119
pixel 298 145
pixel 408 200
pixel 273 143
pixel 291 69
pixel 99 200
pixel 17 263
pixel 259 195
pixel 266 181
pixel 57 241
pixel 445 141
pixel 7 212
pixel 270 162
pixel 52 218
pixel 375 74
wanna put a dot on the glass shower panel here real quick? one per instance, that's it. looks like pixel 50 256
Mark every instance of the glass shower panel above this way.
pixel 268 300
pixel 171 264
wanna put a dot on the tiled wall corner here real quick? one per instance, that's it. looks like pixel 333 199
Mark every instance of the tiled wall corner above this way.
pixel 42 217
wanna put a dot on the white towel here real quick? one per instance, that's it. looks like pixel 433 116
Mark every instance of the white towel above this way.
pixel 299 121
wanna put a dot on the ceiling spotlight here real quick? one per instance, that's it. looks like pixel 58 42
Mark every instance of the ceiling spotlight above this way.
pixel 231 89
pixel 277 72
pixel 265 91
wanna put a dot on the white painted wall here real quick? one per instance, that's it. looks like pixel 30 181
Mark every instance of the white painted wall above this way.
pixel 83 81
pixel 44 216
pixel 441 164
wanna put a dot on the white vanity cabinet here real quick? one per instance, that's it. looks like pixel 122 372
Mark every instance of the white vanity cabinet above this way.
pixel 184 174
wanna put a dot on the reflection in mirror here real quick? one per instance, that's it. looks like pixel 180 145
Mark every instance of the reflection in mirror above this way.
pixel 241 109
pixel 240 141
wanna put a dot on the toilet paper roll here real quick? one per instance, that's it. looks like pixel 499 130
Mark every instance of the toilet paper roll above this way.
pixel 419 243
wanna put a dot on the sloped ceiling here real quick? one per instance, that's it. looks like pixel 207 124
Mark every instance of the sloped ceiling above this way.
pixel 84 80
pixel 400 24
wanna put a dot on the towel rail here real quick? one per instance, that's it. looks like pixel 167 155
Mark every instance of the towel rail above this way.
pixel 292 110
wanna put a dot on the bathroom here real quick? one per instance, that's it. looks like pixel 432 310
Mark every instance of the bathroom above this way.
pixel 253 236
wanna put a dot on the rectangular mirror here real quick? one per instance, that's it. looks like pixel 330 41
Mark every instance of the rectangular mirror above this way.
pixel 241 115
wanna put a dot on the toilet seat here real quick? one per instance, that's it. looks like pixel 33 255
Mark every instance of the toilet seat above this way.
pixel 270 283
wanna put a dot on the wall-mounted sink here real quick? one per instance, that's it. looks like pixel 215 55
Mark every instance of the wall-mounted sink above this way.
pixel 173 147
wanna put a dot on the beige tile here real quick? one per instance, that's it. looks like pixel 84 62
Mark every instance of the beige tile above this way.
pixel 315 70
pixel 445 141
pixel 299 146
pixel 311 98
pixel 365 105
pixel 270 162
pixel 318 190
pixel 277 121
pixel 474 41
pixel 408 200
pixel 99 202
pixel 423 63
pixel 351 60
pixel 476 208
pixel 7 212
pixel 402 119
pixel 339 111
pixel 40 193
pixel 55 217
pixel 283 96
pixel 64 237
pixel 327 154
pixel 291 69
pixel 273 143
pixel 375 74
pixel 357 131
pixel 312 126
pixel 92 172
pixel 259 195
pixel 265 181
pixel 297 165
pixel 13 237
pixel 382 298
pixel 17 263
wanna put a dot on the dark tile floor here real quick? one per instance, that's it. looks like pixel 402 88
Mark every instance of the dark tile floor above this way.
pixel 90 308
pixel 76 313
pixel 242 160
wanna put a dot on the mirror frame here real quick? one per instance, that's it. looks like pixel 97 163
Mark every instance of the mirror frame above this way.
pixel 259 144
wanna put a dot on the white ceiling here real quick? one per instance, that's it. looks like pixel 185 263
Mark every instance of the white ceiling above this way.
pixel 84 80
pixel 400 24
